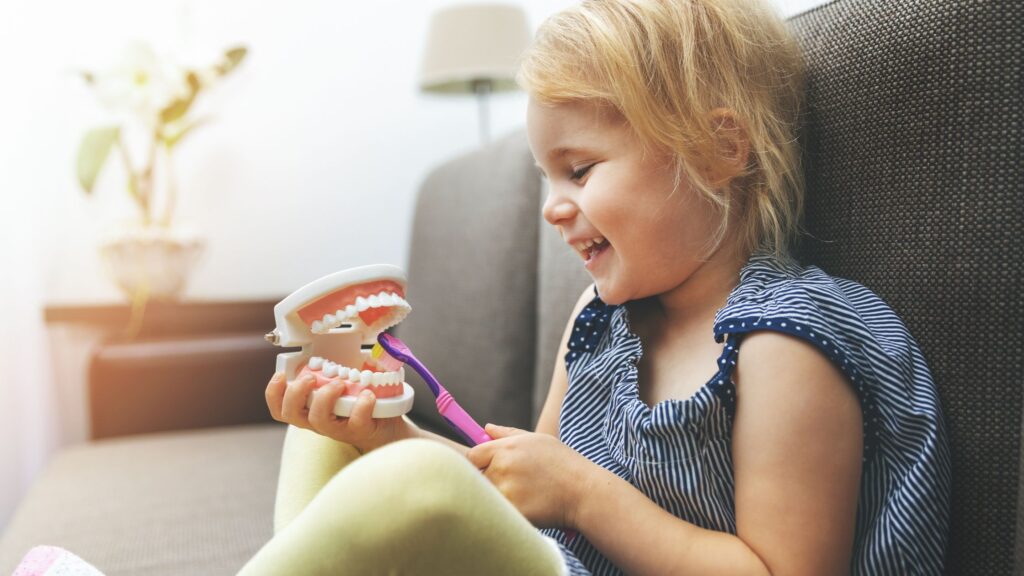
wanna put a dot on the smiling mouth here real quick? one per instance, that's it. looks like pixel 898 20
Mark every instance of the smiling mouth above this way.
pixel 589 249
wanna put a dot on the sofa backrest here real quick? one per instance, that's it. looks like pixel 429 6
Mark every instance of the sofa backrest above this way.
pixel 472 275
pixel 913 144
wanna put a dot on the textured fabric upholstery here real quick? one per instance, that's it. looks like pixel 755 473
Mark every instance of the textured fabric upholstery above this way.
pixel 913 138
pixel 196 503
pixel 472 283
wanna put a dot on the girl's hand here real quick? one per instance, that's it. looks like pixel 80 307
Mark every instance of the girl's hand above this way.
pixel 542 477
pixel 287 403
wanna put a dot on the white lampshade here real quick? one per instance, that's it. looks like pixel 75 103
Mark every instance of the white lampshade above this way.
pixel 470 45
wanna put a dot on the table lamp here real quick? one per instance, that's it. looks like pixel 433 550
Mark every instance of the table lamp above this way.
pixel 474 49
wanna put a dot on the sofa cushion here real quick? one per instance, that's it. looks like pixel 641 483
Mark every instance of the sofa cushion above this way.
pixel 197 502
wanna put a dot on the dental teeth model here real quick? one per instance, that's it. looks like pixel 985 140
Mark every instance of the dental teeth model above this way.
pixel 336 320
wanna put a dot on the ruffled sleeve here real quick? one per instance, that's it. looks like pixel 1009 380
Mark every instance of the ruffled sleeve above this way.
pixel 588 328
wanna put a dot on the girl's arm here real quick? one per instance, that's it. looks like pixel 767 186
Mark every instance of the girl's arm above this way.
pixel 797 462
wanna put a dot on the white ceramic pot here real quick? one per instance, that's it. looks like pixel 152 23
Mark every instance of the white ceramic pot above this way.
pixel 151 263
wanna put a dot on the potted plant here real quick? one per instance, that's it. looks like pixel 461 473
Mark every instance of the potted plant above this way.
pixel 149 258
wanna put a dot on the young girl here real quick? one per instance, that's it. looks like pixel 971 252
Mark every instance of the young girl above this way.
pixel 720 409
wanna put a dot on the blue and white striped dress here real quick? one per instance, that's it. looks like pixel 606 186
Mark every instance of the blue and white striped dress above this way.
pixel 679 452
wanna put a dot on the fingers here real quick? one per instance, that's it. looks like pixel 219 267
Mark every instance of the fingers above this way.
pixel 321 411
pixel 275 395
pixel 481 455
pixel 293 409
pixel 360 421
pixel 495 431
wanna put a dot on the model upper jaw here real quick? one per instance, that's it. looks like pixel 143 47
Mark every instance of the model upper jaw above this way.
pixel 373 306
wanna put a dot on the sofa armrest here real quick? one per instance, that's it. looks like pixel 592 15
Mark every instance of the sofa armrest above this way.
pixel 181 382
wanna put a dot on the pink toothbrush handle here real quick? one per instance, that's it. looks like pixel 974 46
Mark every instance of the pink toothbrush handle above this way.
pixel 454 414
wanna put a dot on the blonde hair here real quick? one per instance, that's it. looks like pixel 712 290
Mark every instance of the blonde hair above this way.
pixel 665 65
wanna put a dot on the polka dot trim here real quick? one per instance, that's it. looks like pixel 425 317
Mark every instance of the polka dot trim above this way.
pixel 588 329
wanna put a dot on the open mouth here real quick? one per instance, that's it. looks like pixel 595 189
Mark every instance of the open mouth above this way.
pixel 590 249
pixel 370 308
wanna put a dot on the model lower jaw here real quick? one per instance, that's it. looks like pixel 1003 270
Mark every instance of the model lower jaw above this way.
pixel 382 384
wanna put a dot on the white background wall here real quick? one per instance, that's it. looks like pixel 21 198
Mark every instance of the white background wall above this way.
pixel 318 138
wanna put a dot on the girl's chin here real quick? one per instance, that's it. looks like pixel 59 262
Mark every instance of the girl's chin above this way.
pixel 609 294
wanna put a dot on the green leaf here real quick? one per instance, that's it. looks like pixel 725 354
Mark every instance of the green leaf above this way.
pixel 93 152
pixel 175 110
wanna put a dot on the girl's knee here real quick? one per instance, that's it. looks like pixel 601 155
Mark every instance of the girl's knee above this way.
pixel 424 479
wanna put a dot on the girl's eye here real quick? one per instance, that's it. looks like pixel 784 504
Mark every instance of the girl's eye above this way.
pixel 580 172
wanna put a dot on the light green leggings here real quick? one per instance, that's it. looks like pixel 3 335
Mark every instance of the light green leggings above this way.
pixel 412 507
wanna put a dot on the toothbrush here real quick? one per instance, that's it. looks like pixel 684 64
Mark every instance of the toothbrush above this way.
pixel 449 409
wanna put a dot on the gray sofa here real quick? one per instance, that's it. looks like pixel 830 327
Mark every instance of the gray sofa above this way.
pixel 913 148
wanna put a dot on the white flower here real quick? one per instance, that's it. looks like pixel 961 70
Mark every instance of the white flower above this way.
pixel 141 83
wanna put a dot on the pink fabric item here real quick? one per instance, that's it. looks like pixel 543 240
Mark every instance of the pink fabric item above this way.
pixel 53 561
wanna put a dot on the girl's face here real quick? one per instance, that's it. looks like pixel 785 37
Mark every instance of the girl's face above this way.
pixel 614 204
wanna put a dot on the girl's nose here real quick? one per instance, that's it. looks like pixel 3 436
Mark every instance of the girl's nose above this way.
pixel 558 209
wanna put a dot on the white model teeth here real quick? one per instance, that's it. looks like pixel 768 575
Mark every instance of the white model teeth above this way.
pixel 342 315
pixel 331 369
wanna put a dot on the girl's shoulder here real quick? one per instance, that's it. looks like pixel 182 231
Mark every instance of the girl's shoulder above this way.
pixel 804 301
pixel 848 323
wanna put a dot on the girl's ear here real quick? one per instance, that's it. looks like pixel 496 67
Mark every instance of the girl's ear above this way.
pixel 730 150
